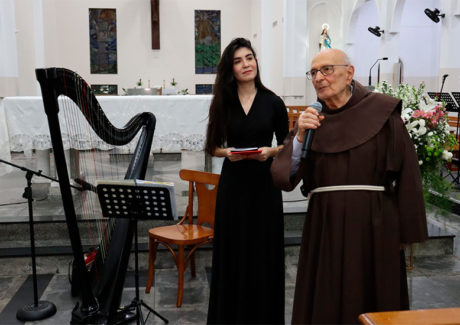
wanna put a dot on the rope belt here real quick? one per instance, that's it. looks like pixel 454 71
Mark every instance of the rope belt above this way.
pixel 344 188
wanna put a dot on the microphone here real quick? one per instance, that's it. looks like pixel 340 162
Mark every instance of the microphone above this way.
pixel 310 132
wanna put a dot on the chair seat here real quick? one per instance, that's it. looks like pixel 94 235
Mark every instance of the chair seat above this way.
pixel 182 239
pixel 181 234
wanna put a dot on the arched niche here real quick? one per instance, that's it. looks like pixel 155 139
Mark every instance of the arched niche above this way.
pixel 319 13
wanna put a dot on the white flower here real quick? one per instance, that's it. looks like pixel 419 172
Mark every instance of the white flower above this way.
pixel 446 155
pixel 406 114
pixel 426 107
pixel 429 129
pixel 422 129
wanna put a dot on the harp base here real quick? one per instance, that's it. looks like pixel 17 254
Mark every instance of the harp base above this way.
pixel 122 316
pixel 43 309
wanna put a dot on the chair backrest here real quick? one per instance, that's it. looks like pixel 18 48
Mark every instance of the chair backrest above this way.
pixel 198 181
pixel 293 114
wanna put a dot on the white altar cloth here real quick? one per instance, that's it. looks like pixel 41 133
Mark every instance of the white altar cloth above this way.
pixel 180 121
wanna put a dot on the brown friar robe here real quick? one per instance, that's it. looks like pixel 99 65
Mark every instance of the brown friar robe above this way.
pixel 350 259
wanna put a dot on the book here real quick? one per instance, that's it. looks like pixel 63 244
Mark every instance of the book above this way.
pixel 245 151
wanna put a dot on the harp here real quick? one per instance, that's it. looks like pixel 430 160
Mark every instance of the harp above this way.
pixel 101 280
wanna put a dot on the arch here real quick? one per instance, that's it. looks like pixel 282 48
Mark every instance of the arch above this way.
pixel 395 15
pixel 350 18
pixel 362 47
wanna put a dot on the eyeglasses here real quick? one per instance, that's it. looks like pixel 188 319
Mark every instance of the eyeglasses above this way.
pixel 325 70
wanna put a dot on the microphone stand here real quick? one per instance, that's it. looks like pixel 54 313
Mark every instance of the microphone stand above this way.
pixel 370 76
pixel 442 86
pixel 39 309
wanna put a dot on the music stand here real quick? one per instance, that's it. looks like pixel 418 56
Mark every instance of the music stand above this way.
pixel 451 106
pixel 456 96
pixel 125 199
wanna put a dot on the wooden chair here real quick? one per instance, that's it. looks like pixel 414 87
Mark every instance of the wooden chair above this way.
pixel 293 114
pixel 187 234
pixel 445 316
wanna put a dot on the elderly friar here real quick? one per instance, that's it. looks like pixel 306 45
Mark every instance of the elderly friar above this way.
pixel 365 198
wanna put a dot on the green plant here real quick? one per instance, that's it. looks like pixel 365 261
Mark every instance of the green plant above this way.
pixel 426 122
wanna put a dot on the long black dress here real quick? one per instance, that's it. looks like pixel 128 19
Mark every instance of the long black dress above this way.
pixel 248 259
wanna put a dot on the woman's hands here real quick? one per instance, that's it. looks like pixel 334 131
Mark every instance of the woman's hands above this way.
pixel 265 153
pixel 233 156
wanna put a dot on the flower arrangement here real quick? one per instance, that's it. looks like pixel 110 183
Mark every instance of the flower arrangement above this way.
pixel 426 122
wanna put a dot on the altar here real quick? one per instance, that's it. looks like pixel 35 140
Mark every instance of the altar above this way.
pixel 180 121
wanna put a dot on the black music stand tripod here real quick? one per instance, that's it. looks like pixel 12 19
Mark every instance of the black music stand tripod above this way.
pixel 134 203
pixel 38 309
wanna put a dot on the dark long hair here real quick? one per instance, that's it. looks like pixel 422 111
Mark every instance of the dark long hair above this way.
pixel 225 94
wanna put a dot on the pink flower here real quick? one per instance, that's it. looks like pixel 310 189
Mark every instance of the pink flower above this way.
pixel 417 113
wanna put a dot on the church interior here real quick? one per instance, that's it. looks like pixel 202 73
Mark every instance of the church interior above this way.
pixel 160 56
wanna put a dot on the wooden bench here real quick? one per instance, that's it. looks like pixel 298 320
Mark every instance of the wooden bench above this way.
pixel 454 123
pixel 445 316
pixel 293 114
pixel 452 120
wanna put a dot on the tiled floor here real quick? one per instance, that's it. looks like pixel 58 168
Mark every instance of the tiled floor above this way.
pixel 434 282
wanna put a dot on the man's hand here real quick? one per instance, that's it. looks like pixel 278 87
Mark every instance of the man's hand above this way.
pixel 309 119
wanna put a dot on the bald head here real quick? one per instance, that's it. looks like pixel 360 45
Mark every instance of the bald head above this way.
pixel 333 54
pixel 332 75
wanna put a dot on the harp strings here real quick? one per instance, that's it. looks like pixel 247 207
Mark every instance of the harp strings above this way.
pixel 92 162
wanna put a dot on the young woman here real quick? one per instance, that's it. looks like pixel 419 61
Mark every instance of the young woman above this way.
pixel 247 283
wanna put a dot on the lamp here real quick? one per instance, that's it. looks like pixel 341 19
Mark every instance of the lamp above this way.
pixel 376 31
pixel 370 77
pixel 434 14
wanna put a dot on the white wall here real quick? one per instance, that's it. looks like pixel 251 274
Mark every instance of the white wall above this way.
pixel 295 36
pixel 8 48
pixel 450 46
pixel 66 35
pixel 361 41
pixel 420 44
